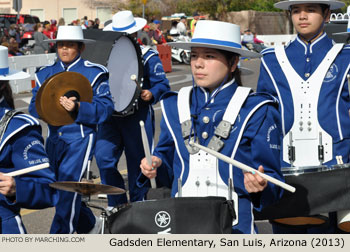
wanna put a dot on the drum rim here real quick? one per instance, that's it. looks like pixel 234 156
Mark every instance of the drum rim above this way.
pixel 140 79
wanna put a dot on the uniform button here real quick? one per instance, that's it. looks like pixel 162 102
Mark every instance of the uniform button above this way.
pixel 300 123
pixel 206 119
pixel 307 59
pixel 204 135
pixel 60 133
pixel 309 123
pixel 301 128
pixel 307 75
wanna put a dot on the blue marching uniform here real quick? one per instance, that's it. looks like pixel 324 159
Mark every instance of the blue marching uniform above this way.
pixel 123 134
pixel 22 146
pixel 310 82
pixel 70 147
pixel 253 140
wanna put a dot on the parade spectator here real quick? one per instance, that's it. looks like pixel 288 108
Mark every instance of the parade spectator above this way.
pixel 182 26
pixel 39 37
pixel 158 34
pixel 193 22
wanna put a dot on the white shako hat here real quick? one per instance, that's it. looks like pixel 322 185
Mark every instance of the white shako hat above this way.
pixel 5 72
pixel 333 4
pixel 72 33
pixel 217 35
pixel 124 21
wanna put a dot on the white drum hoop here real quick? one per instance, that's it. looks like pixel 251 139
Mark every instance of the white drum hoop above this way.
pixel 295 171
pixel 123 62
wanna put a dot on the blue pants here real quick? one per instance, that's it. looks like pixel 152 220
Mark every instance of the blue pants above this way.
pixel 70 162
pixel 120 134
pixel 12 225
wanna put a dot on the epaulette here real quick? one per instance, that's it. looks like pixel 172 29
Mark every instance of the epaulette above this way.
pixel 99 66
pixel 268 50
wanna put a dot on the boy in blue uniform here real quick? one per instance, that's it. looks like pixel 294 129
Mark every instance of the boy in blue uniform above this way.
pixel 21 146
pixel 309 78
pixel 70 147
pixel 123 133
pixel 214 105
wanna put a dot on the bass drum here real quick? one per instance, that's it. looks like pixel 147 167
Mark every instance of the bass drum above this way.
pixel 186 215
pixel 125 61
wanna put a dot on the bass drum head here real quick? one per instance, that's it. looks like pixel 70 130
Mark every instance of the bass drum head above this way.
pixel 124 61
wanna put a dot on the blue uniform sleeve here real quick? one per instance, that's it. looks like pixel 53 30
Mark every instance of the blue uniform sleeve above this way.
pixel 265 151
pixel 32 189
pixel 102 106
pixel 32 108
pixel 155 73
pixel 265 84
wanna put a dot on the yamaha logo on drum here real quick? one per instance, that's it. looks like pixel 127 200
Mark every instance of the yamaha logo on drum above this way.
pixel 162 219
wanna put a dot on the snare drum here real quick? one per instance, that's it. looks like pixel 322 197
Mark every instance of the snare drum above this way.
pixel 123 62
pixel 319 189
pixel 186 215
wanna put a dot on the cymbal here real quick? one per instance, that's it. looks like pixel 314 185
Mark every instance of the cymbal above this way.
pixel 48 97
pixel 86 188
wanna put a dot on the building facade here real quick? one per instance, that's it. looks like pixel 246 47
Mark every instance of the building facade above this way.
pixel 68 9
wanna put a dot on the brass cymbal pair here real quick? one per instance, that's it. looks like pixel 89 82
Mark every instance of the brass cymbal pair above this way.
pixel 48 97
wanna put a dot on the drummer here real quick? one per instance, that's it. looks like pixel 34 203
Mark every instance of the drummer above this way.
pixel 286 72
pixel 21 146
pixel 71 146
pixel 202 111
pixel 123 133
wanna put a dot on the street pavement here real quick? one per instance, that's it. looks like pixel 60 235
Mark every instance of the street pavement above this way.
pixel 39 221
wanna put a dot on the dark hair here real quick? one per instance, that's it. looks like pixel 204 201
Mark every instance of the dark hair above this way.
pixel 231 58
pixel 6 92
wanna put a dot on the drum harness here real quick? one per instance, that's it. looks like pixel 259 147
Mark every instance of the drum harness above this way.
pixel 216 142
pixel 5 120
pixel 306 133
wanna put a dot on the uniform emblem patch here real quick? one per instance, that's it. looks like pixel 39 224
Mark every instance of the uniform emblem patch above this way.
pixel 332 73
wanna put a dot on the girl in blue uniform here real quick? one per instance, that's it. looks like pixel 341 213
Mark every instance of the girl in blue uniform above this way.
pixel 21 146
pixel 309 78
pixel 217 112
pixel 70 147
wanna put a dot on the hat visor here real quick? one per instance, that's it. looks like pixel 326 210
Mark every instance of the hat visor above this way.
pixel 241 52
pixel 15 75
pixel 285 5
pixel 341 33
pixel 85 41
pixel 245 71
pixel 140 23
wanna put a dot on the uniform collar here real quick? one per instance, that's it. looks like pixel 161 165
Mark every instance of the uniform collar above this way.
pixel 224 89
pixel 67 67
pixel 321 43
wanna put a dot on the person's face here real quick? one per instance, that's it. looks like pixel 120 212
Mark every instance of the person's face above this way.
pixel 308 19
pixel 209 67
pixel 67 51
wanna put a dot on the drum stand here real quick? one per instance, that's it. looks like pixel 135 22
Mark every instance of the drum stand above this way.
pixel 86 200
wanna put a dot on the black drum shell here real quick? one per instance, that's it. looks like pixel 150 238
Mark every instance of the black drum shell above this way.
pixel 188 215
pixel 316 193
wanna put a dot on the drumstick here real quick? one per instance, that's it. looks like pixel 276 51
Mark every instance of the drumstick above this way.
pixel 244 167
pixel 147 151
pixel 27 170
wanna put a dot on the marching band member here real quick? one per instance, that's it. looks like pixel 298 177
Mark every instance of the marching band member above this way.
pixel 220 114
pixel 21 146
pixel 120 134
pixel 71 146
pixel 308 77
